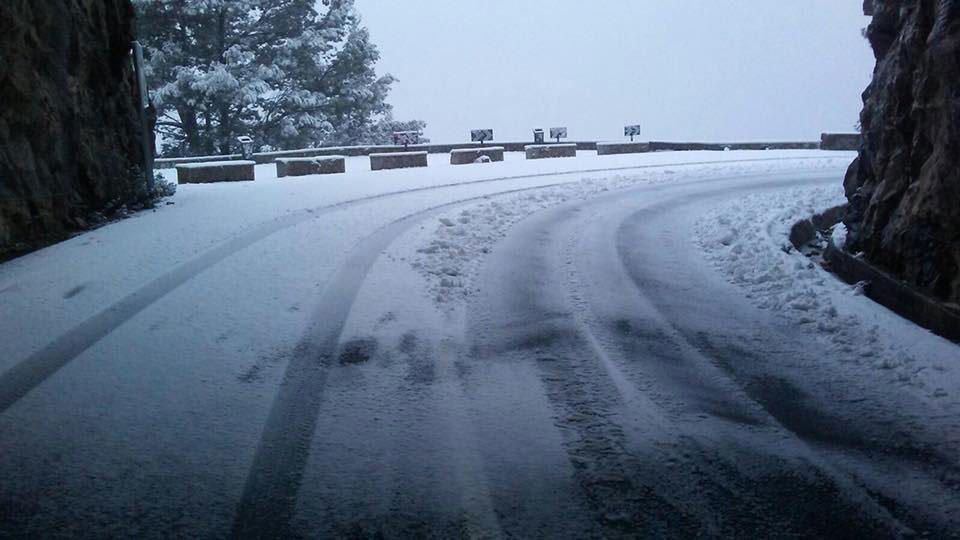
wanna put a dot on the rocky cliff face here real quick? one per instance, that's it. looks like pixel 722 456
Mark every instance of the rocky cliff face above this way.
pixel 904 189
pixel 69 131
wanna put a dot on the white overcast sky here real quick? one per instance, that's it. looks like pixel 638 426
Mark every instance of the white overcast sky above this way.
pixel 684 69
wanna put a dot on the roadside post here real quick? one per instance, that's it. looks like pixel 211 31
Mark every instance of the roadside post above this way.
pixel 406 138
pixel 246 147
pixel 146 135
pixel 538 136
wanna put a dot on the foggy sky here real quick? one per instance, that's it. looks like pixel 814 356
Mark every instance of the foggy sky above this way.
pixel 684 69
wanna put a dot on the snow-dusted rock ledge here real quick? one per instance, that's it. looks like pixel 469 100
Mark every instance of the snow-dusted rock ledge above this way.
pixel 541 151
pixel 473 155
pixel 882 288
pixel 311 165
pixel 216 171
pixel 398 160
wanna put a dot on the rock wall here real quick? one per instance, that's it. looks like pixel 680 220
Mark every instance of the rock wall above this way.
pixel 904 189
pixel 69 126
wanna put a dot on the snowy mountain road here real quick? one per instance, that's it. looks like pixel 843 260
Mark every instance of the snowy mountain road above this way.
pixel 536 353
pixel 682 408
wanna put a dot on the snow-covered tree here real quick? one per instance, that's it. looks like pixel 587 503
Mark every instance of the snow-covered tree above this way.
pixel 290 73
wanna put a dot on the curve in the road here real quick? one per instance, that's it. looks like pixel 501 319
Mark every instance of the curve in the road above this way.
pixel 525 319
pixel 270 494
pixel 26 375
pixel 891 443
pixel 595 372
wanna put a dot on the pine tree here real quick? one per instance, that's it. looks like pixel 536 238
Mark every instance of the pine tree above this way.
pixel 290 73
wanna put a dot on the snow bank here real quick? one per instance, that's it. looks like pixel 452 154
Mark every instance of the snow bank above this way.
pixel 450 254
pixel 748 241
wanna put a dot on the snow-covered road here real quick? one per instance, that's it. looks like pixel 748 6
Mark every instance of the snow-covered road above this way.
pixel 568 348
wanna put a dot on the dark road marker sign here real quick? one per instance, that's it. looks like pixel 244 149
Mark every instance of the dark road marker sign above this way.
pixel 406 138
pixel 481 135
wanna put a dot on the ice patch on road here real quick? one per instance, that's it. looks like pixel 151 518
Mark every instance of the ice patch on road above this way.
pixel 748 240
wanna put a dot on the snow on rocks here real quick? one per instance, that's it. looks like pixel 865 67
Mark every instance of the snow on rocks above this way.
pixel 747 240
pixel 839 235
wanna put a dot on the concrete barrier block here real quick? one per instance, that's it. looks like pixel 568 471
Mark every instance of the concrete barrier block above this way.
pixel 609 149
pixel 542 151
pixel 398 160
pixel 216 171
pixel 890 292
pixel 840 141
pixel 311 165
pixel 472 155
pixel 661 146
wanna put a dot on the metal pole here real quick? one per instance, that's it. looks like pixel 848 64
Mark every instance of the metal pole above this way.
pixel 144 123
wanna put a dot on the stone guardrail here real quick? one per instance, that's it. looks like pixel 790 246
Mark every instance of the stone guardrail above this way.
pixel 354 151
pixel 661 146
pixel 397 160
pixel 545 151
pixel 171 163
pixel 582 146
pixel 895 295
pixel 840 141
pixel 613 148
pixel 466 156
pixel 311 165
pixel 216 171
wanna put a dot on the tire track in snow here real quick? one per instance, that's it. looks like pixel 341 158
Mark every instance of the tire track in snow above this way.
pixel 23 377
pixel 831 439
pixel 520 319
pixel 525 322
pixel 270 494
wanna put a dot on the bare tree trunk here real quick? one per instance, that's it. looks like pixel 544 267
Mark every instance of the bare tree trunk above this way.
pixel 226 129
pixel 188 121
pixel 208 141
pixel 223 109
